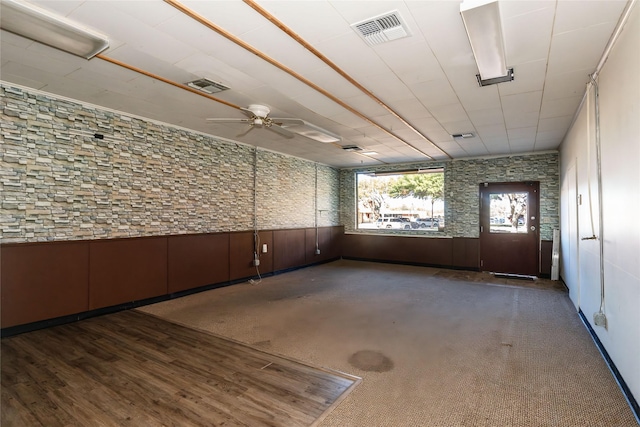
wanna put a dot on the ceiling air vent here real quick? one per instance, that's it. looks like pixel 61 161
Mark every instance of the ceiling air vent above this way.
pixel 208 86
pixel 351 148
pixel 384 28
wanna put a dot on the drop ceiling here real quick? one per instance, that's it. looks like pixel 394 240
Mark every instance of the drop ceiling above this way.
pixel 401 99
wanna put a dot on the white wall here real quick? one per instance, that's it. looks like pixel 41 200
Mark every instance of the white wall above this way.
pixel 619 86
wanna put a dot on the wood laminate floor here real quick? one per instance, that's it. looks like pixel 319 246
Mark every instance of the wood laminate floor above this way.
pixel 134 369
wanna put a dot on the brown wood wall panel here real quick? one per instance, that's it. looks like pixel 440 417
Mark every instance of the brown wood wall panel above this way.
pixel 434 251
pixel 466 252
pixel 241 248
pixel 43 280
pixel 337 233
pixel 127 270
pixel 197 260
pixel 546 257
pixel 288 249
pixel 324 244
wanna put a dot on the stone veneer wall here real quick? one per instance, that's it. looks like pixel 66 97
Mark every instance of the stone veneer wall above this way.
pixel 144 178
pixel 462 193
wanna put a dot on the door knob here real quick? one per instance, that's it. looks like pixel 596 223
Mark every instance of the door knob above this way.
pixel 533 228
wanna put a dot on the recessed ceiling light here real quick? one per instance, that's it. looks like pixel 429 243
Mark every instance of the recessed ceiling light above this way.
pixel 369 153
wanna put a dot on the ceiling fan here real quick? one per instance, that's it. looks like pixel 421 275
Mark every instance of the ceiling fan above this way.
pixel 258 115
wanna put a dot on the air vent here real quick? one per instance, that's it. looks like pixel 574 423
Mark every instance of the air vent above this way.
pixel 384 28
pixel 351 148
pixel 463 135
pixel 208 86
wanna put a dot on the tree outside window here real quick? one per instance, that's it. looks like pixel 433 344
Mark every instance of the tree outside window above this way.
pixel 401 201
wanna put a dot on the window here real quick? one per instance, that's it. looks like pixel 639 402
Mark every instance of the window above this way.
pixel 508 212
pixel 405 201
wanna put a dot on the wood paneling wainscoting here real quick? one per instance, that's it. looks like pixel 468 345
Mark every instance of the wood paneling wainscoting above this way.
pixel 456 252
pixel 53 280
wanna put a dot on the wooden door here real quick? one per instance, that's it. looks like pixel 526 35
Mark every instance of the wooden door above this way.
pixel 509 228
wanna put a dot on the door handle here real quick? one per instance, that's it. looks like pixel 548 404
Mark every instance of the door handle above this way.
pixel 533 228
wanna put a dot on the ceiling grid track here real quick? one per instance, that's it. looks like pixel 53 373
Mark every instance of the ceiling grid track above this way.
pixel 339 70
pixel 286 69
pixel 162 79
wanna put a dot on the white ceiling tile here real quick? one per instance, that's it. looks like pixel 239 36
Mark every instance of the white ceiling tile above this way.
pixel 520 120
pixel 521 102
pixel 557 124
pixel 490 132
pixel 476 149
pixel 528 77
pixel 434 93
pixel 574 15
pixel 235 17
pixel 410 108
pixel 522 133
pixel 527 35
pixel 411 62
pixel 141 11
pixel 58 63
pixel 463 126
pixel 559 107
pixel 578 49
pixel 449 113
pixel 566 85
pixel 23 75
pixel 491 116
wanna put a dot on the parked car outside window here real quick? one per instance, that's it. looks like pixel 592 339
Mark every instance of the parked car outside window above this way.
pixel 427 222
pixel 394 223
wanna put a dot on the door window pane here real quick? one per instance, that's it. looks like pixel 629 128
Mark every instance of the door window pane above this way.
pixel 508 212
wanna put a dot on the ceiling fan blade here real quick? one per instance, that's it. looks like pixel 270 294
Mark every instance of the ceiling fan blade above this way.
pixel 248 112
pixel 282 131
pixel 287 121
pixel 229 120
pixel 246 131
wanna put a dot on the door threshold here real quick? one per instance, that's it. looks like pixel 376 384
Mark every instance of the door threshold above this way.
pixel 514 276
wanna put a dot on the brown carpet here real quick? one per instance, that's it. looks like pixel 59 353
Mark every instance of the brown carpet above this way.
pixel 434 347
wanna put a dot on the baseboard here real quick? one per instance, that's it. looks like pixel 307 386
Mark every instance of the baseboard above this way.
pixel 633 403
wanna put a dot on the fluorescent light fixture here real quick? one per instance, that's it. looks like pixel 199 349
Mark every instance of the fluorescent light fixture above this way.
pixel 370 153
pixel 313 132
pixel 496 80
pixel 35 23
pixel 484 28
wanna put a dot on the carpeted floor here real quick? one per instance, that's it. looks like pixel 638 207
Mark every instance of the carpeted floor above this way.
pixel 434 347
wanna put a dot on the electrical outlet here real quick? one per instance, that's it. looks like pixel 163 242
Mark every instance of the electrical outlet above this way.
pixel 318 251
pixel 600 319
pixel 256 262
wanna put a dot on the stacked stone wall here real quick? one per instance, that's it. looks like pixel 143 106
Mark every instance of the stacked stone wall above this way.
pixel 60 182
pixel 462 190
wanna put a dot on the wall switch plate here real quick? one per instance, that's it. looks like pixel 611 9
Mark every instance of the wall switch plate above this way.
pixel 264 248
